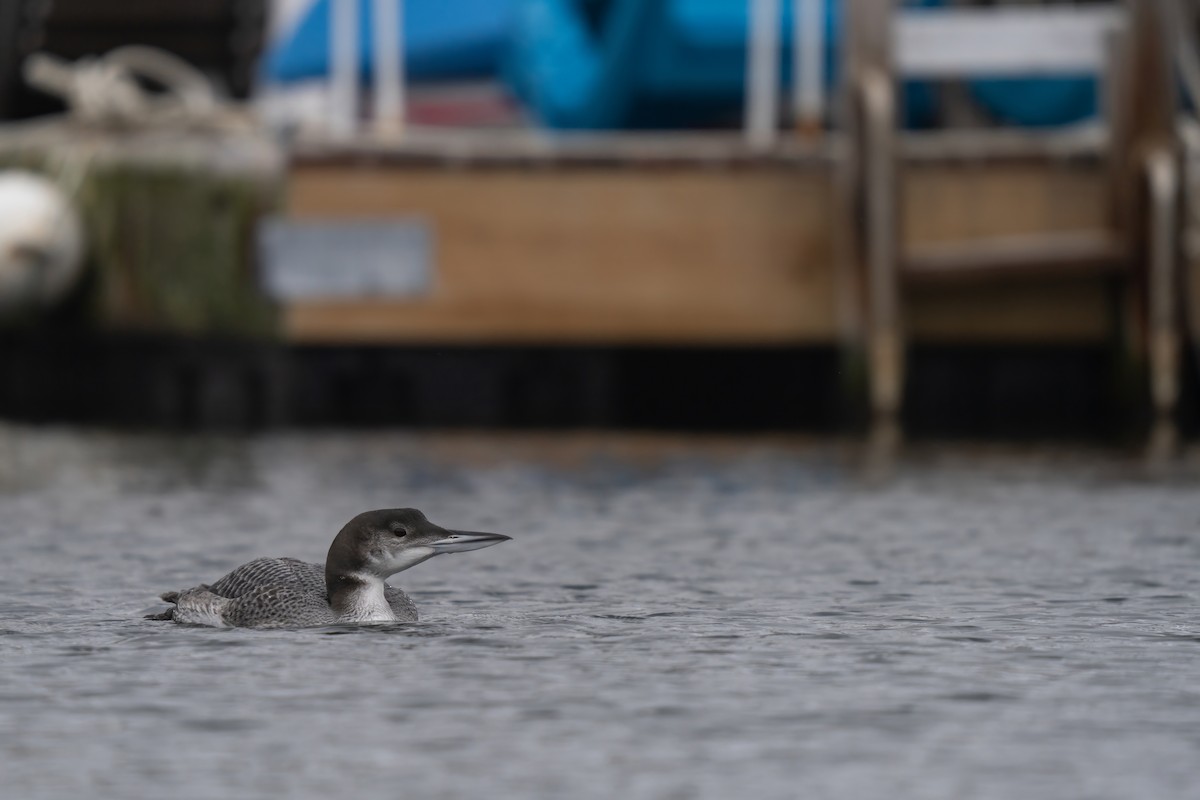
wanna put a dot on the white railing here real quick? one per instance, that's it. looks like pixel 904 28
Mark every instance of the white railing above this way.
pixel 1002 42
pixel 762 68
pixel 343 68
pixel 808 63
pixel 762 73
pixel 930 43
pixel 387 68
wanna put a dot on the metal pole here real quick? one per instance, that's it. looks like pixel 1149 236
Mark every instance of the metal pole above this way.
pixel 343 49
pixel 1162 177
pixel 808 64
pixel 762 73
pixel 389 67
pixel 878 98
pixel 870 108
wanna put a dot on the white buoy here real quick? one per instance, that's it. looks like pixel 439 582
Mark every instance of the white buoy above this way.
pixel 41 242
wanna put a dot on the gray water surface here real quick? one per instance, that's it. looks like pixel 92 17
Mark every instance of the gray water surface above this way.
pixel 740 619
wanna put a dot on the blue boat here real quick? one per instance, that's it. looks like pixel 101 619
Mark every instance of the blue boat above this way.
pixel 612 64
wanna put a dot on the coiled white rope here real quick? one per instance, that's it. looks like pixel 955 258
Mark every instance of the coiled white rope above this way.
pixel 110 90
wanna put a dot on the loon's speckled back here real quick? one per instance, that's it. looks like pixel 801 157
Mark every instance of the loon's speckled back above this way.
pixel 271 593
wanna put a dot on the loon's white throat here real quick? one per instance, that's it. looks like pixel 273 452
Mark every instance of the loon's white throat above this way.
pixel 360 598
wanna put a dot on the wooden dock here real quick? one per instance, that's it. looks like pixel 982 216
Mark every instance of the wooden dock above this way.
pixel 688 240
pixel 863 239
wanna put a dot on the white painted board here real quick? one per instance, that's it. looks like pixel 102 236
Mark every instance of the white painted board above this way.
pixel 333 259
pixel 1005 42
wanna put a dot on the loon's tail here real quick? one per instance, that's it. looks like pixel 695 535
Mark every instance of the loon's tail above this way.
pixel 169 614
pixel 198 606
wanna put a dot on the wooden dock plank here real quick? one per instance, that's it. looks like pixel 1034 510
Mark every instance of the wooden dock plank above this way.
pixel 685 253
pixel 591 255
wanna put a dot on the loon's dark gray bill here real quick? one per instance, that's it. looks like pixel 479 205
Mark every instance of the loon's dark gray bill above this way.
pixel 462 541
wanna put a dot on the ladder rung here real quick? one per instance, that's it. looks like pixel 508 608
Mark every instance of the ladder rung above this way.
pixel 1043 255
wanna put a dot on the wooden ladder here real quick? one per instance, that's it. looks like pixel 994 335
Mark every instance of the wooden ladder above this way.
pixel 1128 45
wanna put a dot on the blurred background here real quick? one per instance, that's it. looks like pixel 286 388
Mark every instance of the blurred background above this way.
pixel 943 218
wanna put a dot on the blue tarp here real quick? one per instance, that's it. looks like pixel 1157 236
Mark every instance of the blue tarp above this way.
pixel 631 63
pixel 1038 102
pixel 650 63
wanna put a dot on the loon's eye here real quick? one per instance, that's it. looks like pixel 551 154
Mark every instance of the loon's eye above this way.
pixel 400 533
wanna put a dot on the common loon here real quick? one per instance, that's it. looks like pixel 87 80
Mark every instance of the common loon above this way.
pixel 350 588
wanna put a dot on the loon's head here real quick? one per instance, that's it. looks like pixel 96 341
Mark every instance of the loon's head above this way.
pixel 384 542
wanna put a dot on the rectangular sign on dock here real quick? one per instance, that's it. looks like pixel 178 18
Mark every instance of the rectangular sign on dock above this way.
pixel 345 259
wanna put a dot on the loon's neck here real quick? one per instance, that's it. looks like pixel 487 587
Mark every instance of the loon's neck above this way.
pixel 358 597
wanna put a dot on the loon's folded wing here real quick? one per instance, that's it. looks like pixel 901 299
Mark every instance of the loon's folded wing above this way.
pixel 263 572
pixel 286 606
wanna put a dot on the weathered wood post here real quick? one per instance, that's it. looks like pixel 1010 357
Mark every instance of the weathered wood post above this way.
pixel 1146 190
pixel 870 108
